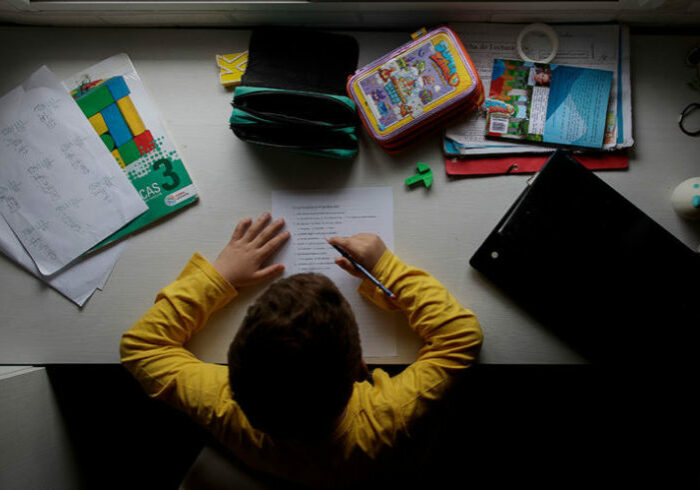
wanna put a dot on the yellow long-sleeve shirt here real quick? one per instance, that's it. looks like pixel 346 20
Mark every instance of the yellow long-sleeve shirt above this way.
pixel 380 412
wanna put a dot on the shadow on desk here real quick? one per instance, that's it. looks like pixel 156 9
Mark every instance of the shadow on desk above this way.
pixel 558 426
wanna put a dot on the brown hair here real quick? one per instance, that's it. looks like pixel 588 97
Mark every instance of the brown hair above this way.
pixel 295 358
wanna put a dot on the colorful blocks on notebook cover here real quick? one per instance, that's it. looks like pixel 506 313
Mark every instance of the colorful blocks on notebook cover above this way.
pixel 98 123
pixel 113 115
pixel 144 142
pixel 129 152
pixel 117 87
pixel 131 116
pixel 95 100
pixel 117 156
pixel 83 88
pixel 116 124
pixel 108 141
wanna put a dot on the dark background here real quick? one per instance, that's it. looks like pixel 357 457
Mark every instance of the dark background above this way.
pixel 502 426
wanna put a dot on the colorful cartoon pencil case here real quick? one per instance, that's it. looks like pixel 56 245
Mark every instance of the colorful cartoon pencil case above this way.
pixel 416 89
pixel 289 99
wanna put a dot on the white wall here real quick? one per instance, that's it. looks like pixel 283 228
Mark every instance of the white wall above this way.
pixel 34 448
pixel 343 14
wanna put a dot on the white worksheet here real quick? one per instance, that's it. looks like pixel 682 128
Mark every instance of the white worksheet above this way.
pixel 311 217
pixel 61 191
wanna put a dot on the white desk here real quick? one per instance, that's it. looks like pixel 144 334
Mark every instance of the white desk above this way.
pixel 437 230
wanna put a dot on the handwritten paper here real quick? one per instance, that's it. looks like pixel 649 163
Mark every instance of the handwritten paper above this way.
pixel 311 217
pixel 77 282
pixel 61 191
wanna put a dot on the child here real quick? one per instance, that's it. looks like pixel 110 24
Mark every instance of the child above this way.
pixel 294 400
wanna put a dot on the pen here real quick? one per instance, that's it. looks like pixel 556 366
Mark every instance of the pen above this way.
pixel 364 271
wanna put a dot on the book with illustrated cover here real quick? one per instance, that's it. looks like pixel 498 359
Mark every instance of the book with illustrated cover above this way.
pixel 113 98
pixel 554 104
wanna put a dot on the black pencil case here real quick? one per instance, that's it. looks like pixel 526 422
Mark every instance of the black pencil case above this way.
pixel 293 95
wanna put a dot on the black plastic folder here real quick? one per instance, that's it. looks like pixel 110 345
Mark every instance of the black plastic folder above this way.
pixel 595 269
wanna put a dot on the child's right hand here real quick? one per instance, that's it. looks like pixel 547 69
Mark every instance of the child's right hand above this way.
pixel 365 248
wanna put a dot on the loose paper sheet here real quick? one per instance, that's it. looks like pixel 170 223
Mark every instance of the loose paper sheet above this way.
pixel 76 282
pixel 60 189
pixel 311 217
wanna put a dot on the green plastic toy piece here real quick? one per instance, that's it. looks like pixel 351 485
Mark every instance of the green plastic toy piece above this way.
pixel 424 175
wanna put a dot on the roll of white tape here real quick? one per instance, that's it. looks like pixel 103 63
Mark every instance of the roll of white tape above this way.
pixel 538 28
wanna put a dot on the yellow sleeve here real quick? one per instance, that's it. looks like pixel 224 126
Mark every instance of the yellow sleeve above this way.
pixel 452 339
pixel 152 350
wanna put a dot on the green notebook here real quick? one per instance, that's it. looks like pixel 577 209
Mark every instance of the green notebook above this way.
pixel 114 100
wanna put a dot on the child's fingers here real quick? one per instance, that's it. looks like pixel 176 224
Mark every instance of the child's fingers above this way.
pixel 269 231
pixel 339 241
pixel 346 243
pixel 345 264
pixel 355 245
pixel 268 272
pixel 241 228
pixel 256 227
pixel 274 243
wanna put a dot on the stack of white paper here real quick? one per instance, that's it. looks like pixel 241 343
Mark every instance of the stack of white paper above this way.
pixel 61 192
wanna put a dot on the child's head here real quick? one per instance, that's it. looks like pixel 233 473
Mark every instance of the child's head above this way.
pixel 294 360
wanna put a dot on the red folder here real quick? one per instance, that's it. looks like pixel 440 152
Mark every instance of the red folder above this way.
pixel 524 164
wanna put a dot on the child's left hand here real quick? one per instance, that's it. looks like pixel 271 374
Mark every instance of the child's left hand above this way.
pixel 250 246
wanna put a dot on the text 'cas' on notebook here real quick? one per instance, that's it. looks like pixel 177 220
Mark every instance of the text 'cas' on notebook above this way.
pixel 595 269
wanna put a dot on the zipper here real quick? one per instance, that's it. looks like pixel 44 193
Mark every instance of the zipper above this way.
pixel 340 139
pixel 240 102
